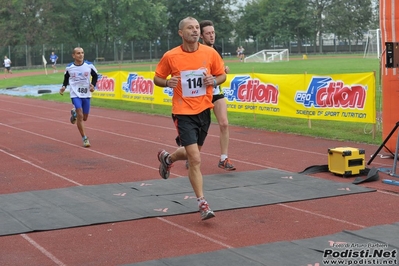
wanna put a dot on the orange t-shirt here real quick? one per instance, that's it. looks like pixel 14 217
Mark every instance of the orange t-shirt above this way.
pixel 176 60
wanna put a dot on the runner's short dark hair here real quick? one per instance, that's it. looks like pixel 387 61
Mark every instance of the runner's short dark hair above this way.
pixel 205 23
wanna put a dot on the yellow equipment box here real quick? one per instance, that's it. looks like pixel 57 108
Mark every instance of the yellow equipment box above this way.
pixel 346 161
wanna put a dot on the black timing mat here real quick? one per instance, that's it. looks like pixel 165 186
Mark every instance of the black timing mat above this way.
pixel 379 244
pixel 87 205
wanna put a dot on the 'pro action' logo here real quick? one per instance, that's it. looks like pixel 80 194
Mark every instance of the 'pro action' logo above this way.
pixel 325 92
pixel 105 84
pixel 243 89
pixel 138 85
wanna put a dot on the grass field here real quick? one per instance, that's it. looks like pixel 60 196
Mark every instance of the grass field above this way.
pixel 320 64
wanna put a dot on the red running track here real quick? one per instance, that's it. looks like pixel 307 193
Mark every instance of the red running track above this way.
pixel 40 149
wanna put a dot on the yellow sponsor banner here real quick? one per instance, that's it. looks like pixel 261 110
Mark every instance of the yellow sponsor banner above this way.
pixel 341 97
pixel 139 87
pixel 107 86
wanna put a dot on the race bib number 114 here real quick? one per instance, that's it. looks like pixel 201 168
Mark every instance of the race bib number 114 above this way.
pixel 192 83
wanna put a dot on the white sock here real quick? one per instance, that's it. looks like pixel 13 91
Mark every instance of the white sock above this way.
pixel 201 200
pixel 223 157
pixel 168 161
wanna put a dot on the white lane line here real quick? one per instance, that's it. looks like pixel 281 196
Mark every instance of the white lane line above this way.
pixel 164 128
pixel 173 129
pixel 119 158
pixel 162 219
pixel 129 137
pixel 389 193
pixel 43 250
pixel 321 215
pixel 91 150
pixel 195 233
pixel 280 204
pixel 41 168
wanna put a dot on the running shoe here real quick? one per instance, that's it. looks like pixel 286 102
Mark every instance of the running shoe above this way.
pixel 73 116
pixel 206 212
pixel 226 165
pixel 86 142
pixel 164 167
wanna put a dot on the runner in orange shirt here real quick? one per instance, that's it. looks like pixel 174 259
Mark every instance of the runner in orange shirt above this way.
pixel 195 69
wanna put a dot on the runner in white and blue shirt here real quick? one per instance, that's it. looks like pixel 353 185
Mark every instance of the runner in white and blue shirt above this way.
pixel 81 76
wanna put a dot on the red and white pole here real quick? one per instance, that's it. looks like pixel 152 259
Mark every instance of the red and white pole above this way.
pixel 389 24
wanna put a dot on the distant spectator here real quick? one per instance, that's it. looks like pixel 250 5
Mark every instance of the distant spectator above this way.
pixel 53 59
pixel 241 53
pixel 7 66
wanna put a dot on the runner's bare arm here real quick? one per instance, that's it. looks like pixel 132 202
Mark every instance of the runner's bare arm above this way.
pixel 171 82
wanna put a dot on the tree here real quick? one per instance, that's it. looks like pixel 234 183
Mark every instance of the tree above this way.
pixel 219 11
pixel 112 23
pixel 251 23
pixel 348 19
pixel 316 9
pixel 291 20
pixel 375 20
pixel 111 26
pixel 270 20
pixel 26 22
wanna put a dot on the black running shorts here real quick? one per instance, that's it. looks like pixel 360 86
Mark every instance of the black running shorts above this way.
pixel 192 129
pixel 216 97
